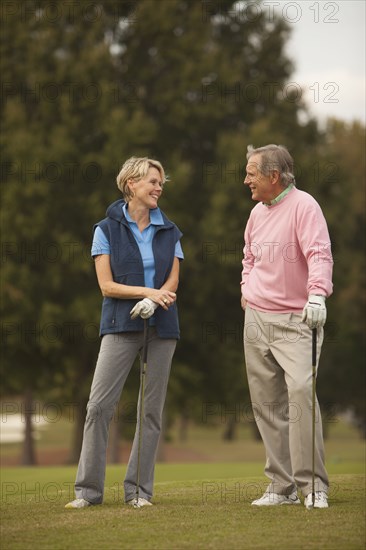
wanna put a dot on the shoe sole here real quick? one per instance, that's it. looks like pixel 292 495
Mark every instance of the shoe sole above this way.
pixel 134 504
pixel 286 502
pixel 76 507
pixel 311 507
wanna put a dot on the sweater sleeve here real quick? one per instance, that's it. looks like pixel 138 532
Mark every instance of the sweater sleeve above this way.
pixel 314 240
pixel 249 258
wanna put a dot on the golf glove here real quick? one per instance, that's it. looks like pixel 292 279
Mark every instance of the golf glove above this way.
pixel 144 308
pixel 315 313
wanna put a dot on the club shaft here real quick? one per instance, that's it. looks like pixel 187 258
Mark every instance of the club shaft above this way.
pixel 314 342
pixel 141 405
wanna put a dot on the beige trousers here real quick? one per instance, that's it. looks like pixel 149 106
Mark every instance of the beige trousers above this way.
pixel 278 354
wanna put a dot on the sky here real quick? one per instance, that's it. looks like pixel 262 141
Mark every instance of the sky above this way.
pixel 327 46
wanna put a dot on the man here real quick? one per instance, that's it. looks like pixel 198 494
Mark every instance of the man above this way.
pixel 286 278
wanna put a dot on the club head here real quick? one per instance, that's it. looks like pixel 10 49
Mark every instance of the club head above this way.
pixel 310 505
pixel 136 504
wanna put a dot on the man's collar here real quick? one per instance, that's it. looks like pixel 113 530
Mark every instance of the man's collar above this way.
pixel 280 196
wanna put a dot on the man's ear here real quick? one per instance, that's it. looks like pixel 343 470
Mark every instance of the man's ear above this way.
pixel 275 177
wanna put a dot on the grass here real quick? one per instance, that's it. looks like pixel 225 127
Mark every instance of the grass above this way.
pixel 197 506
pixel 203 505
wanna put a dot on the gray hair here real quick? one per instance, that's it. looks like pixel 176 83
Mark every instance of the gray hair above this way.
pixel 275 158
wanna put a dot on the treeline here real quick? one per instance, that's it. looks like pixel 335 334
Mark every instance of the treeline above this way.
pixel 191 84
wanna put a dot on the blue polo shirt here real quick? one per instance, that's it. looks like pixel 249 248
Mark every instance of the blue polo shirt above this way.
pixel 144 241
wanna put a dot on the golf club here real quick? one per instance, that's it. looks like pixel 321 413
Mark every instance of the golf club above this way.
pixel 141 408
pixel 314 339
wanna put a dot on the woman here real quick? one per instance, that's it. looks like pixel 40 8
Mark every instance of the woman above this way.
pixel 137 253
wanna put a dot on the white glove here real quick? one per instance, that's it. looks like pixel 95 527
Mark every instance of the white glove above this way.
pixel 315 313
pixel 144 308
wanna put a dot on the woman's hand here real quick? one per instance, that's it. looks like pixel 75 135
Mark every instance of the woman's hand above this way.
pixel 163 297
pixel 243 303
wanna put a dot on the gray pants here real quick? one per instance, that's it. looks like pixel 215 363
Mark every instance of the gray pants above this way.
pixel 116 357
pixel 278 361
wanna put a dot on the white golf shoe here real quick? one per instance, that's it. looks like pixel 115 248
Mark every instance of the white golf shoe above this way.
pixel 139 503
pixel 274 499
pixel 321 500
pixel 78 503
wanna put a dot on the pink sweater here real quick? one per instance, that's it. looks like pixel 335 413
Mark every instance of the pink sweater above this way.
pixel 287 254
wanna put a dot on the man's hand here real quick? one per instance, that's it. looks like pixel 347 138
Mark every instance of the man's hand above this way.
pixel 144 308
pixel 315 313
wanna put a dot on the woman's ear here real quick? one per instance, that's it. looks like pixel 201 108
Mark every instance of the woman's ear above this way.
pixel 130 183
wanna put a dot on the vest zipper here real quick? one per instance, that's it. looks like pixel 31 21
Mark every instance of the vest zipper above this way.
pixel 114 313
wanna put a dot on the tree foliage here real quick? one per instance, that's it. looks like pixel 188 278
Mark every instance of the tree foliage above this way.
pixel 342 191
pixel 189 83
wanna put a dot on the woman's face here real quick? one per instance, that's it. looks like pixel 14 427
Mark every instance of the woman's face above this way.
pixel 148 190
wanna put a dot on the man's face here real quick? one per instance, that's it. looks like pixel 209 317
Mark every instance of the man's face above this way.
pixel 261 186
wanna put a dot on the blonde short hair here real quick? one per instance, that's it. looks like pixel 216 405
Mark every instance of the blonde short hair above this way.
pixel 136 168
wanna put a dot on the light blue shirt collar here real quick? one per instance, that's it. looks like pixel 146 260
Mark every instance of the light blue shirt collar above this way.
pixel 155 216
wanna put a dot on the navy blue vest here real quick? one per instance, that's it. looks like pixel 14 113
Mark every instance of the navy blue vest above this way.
pixel 127 268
